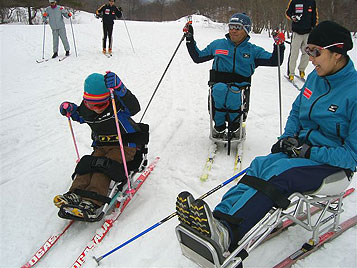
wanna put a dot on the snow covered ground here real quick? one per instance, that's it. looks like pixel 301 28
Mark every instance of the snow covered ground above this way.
pixel 38 156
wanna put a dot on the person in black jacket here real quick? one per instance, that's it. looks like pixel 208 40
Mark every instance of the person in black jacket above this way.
pixel 304 17
pixel 96 111
pixel 108 12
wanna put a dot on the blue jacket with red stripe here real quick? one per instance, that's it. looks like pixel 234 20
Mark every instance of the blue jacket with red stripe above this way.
pixel 324 115
pixel 240 59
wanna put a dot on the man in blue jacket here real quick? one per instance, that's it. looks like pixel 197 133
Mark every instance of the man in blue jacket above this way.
pixel 234 62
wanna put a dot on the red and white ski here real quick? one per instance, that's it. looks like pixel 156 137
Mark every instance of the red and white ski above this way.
pixel 46 247
pixel 108 224
pixel 98 237
pixel 307 249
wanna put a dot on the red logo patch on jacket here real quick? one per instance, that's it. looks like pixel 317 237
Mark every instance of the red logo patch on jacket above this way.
pixel 307 93
pixel 221 51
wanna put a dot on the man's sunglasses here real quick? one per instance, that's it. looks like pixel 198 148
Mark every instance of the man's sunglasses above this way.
pixel 236 27
pixel 315 52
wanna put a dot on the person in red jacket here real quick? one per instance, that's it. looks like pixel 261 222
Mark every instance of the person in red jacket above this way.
pixel 108 12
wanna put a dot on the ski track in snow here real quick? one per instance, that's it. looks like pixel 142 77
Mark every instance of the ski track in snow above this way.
pixel 38 156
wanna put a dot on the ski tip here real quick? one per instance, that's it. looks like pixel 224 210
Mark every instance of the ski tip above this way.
pixel 204 177
pixel 349 191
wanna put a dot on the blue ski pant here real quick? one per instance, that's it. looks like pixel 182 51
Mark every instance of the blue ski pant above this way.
pixel 225 98
pixel 247 206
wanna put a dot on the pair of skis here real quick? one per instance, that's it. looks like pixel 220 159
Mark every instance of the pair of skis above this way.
pixel 101 233
pixel 45 60
pixel 211 156
pixel 308 248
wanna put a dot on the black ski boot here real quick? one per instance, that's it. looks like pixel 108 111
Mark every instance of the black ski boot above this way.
pixel 55 55
pixel 66 199
pixel 67 53
pixel 86 210
pixel 183 203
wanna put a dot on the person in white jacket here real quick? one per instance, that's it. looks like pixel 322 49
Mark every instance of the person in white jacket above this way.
pixel 55 13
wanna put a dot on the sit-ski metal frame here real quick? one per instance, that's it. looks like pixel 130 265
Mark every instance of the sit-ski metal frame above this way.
pixel 299 212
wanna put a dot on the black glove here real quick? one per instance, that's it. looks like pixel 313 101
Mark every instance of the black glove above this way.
pixel 120 9
pixel 292 147
pixel 302 151
pixel 284 145
pixel 188 30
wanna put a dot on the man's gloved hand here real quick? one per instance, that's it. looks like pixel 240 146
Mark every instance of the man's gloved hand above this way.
pixel 69 14
pixel 113 81
pixel 120 9
pixel 292 147
pixel 302 151
pixel 284 145
pixel 279 37
pixel 188 30
pixel 44 18
pixel 67 108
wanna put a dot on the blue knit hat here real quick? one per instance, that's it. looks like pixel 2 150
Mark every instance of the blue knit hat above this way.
pixel 95 90
pixel 241 18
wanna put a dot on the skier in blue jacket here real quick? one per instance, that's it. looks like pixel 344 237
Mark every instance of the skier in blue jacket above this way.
pixel 234 60
pixel 320 139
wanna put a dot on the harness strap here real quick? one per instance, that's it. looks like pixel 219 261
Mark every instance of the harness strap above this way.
pixel 268 189
pixel 89 164
pixel 136 137
pixel 93 195
pixel 227 110
pixel 225 77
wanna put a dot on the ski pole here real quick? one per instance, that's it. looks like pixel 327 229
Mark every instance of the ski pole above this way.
pixel 120 141
pixel 43 41
pixel 74 40
pixel 167 67
pixel 65 106
pixel 128 33
pixel 279 82
pixel 167 218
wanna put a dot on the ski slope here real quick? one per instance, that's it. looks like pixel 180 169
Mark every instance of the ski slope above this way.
pixel 38 155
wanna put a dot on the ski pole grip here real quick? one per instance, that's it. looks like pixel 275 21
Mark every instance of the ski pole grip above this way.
pixel 65 106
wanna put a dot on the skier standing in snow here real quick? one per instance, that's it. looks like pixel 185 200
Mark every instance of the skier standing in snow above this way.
pixel 320 139
pixel 55 13
pixel 92 179
pixel 304 17
pixel 108 12
pixel 234 60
